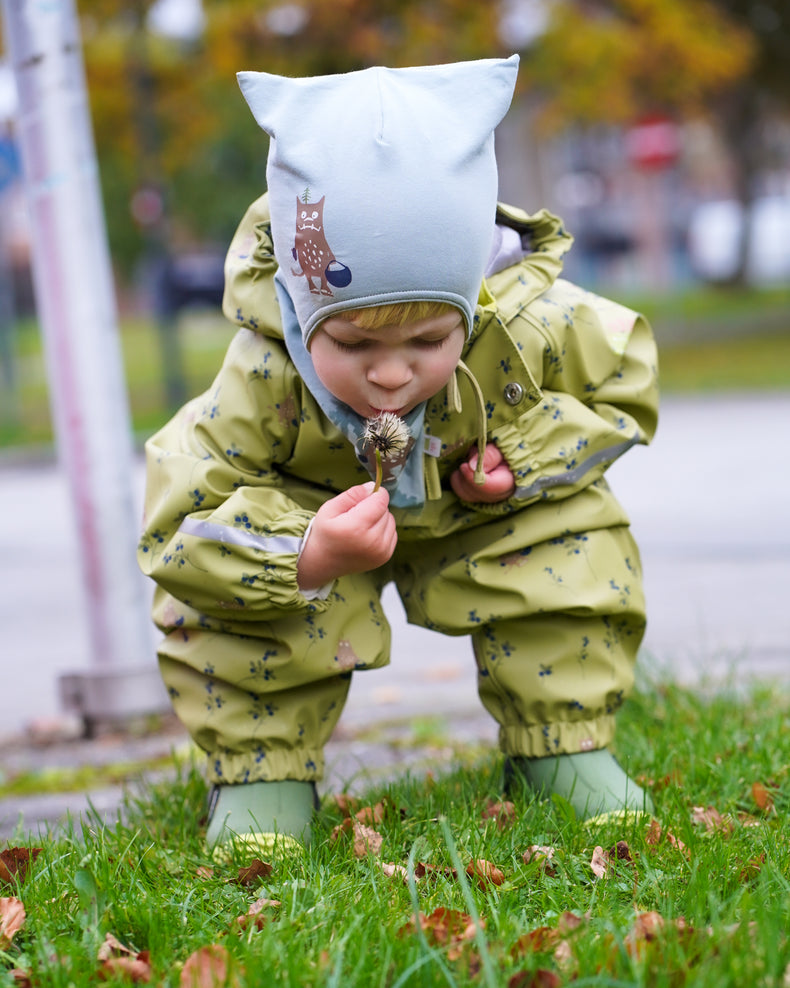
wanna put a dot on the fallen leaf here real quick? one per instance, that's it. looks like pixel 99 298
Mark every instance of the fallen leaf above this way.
pixel 535 979
pixel 503 812
pixel 345 803
pixel 448 928
pixel 15 862
pixel 485 872
pixel 21 978
pixel 136 969
pixel 599 862
pixel 112 947
pixel 390 870
pixel 118 960
pixel 569 922
pixel 541 940
pixel 255 914
pixel 541 855
pixel 762 798
pixel 208 967
pixel 12 919
pixel 342 828
pixel 204 872
pixel 422 870
pixel 655 835
pixel 366 840
pixel 255 871
pixel 373 814
pixel 712 820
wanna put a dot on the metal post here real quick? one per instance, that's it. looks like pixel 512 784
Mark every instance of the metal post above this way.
pixel 76 305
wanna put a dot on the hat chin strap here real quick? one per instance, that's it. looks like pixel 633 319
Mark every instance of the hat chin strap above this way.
pixel 454 401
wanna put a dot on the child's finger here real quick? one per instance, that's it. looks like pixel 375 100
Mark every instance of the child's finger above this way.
pixel 349 499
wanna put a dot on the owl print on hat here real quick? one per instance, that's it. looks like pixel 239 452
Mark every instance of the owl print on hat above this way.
pixel 316 260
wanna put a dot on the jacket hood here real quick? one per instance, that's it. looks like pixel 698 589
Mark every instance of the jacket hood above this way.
pixel 533 246
pixel 356 158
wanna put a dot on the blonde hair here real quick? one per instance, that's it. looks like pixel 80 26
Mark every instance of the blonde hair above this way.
pixel 396 313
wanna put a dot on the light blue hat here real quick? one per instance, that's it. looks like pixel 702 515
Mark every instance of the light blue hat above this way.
pixel 382 183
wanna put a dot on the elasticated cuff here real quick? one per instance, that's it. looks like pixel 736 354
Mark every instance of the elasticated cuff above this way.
pixel 300 764
pixel 539 740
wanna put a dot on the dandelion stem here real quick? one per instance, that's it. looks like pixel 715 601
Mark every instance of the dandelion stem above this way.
pixel 379 471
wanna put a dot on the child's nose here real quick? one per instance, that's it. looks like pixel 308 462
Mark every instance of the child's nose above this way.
pixel 390 371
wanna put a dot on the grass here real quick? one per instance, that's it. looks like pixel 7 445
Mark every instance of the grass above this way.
pixel 718 358
pixel 701 899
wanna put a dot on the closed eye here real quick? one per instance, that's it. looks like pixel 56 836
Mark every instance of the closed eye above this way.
pixel 349 347
pixel 428 344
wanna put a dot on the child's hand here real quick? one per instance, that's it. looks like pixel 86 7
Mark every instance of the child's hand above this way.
pixel 499 483
pixel 352 533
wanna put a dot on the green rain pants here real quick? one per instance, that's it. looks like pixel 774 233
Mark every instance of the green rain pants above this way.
pixel 555 629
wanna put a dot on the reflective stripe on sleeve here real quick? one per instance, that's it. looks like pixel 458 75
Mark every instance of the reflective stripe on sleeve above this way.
pixel 570 477
pixel 238 536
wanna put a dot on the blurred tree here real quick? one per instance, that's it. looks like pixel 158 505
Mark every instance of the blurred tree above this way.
pixel 618 60
pixel 169 118
pixel 747 110
pixel 615 61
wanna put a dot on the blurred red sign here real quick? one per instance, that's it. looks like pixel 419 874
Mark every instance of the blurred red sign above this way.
pixel 653 143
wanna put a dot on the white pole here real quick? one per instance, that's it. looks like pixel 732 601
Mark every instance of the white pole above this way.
pixel 76 306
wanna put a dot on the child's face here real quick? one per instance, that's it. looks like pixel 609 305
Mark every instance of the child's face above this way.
pixel 391 369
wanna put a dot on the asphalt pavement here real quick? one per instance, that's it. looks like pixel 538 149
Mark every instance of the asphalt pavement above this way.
pixel 709 507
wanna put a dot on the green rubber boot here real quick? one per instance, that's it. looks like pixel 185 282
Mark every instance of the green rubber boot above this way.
pixel 592 781
pixel 271 818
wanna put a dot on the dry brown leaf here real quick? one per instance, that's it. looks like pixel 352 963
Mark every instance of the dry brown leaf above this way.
pixel 485 872
pixel 762 798
pixel 541 854
pixel 390 870
pixel 599 862
pixel 446 928
pixel 118 960
pixel 204 872
pixel 136 968
pixel 535 979
pixel 208 967
pixel 422 870
pixel 345 803
pixel 254 871
pixel 12 919
pixel 711 819
pixel 569 922
pixel 655 835
pixel 21 978
pixel 373 814
pixel 366 840
pixel 541 940
pixel 15 862
pixel 112 947
pixel 342 828
pixel 255 914
pixel 503 812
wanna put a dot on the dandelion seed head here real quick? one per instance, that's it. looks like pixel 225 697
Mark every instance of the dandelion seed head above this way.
pixel 386 432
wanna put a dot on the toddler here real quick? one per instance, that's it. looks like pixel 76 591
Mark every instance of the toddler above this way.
pixel 379 274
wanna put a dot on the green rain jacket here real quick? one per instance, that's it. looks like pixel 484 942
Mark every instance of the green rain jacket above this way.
pixel 563 381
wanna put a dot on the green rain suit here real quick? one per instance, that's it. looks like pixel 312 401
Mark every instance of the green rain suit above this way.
pixel 547 583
